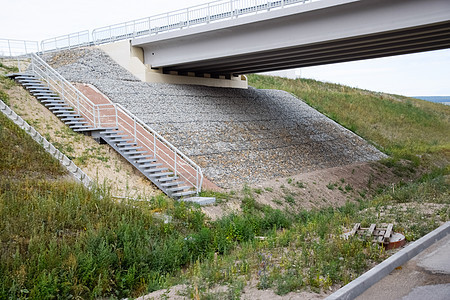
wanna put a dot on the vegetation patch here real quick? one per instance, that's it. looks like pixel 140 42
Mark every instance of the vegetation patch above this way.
pixel 399 126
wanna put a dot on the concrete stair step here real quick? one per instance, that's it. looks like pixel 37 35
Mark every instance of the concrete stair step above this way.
pixel 79 126
pixel 147 165
pixel 126 149
pixel 71 118
pixel 172 183
pixel 76 122
pixel 135 153
pixel 111 132
pixel 145 160
pixel 40 90
pixel 83 129
pixel 113 138
pixel 178 188
pixel 45 94
pixel 164 174
pixel 142 157
pixel 50 100
pixel 182 194
pixel 155 171
pixel 64 115
pixel 125 144
pixel 56 104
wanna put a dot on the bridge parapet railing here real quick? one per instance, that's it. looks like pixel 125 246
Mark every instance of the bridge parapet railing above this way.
pixel 65 42
pixel 184 18
pixel 16 48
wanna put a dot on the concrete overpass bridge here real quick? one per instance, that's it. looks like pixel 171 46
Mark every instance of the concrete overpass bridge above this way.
pixel 315 33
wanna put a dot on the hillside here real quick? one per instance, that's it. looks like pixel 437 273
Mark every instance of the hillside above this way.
pixel 397 125
pixel 59 240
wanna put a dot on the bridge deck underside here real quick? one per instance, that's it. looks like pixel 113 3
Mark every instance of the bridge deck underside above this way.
pixel 406 41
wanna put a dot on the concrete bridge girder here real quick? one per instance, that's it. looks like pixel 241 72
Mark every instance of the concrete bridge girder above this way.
pixel 316 33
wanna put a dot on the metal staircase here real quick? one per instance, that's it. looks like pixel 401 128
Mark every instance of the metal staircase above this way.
pixel 53 102
pixel 164 165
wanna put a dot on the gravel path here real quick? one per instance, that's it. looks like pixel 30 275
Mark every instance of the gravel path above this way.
pixel 236 136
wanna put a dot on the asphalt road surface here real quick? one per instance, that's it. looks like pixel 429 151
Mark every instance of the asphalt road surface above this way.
pixel 425 277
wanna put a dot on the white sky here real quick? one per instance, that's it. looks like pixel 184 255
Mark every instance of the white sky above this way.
pixel 419 74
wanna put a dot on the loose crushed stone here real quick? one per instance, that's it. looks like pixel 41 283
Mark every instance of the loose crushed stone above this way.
pixel 237 136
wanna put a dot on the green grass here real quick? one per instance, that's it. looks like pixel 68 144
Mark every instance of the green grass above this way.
pixel 21 157
pixel 400 126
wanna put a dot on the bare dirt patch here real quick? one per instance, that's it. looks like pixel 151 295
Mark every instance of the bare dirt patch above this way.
pixel 318 189
pixel 250 292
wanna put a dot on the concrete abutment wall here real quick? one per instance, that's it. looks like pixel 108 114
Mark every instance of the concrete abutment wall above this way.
pixel 132 59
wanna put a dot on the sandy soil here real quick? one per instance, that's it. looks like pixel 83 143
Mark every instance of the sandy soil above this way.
pixel 250 292
pixel 323 188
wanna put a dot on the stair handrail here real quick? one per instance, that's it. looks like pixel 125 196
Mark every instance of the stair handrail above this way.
pixel 199 172
pixel 49 74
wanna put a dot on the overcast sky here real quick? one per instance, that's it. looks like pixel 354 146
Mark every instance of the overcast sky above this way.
pixel 422 74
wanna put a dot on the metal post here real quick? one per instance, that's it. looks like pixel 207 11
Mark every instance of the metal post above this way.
pixel 154 144
pixel 149 26
pixel 25 45
pixel 175 171
pixel 62 94
pixel 208 15
pixel 196 185
pixel 135 133
pixel 93 117
pixel 167 21
pixel 231 7
pixel 9 48
pixel 187 16
pixel 78 103
pixel 117 116
pixel 99 120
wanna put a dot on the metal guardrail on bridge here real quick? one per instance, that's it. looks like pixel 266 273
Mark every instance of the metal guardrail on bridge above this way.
pixel 66 42
pixel 13 48
pixel 188 17
pixel 184 18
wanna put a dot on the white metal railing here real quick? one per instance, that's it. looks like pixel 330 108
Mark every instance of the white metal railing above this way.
pixel 69 41
pixel 188 17
pixel 184 18
pixel 65 90
pixel 13 48
pixel 113 115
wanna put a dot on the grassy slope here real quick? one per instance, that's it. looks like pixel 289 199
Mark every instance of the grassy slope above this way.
pixel 398 125
pixel 59 240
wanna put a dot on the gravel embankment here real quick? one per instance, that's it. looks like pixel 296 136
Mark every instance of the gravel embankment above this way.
pixel 236 136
